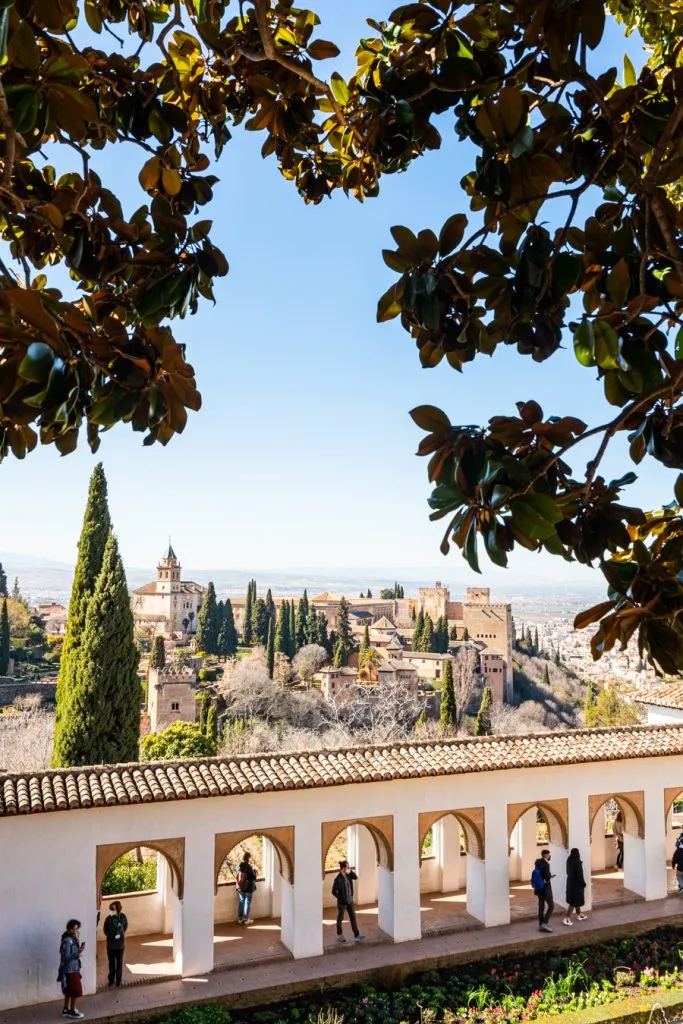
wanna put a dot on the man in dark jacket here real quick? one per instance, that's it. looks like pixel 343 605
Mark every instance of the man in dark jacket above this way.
pixel 677 864
pixel 115 928
pixel 342 890
pixel 546 903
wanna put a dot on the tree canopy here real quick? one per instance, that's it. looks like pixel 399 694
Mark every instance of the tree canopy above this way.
pixel 574 231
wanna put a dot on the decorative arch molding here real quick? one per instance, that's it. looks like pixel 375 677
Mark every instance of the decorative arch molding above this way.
pixel 380 828
pixel 471 821
pixel 281 838
pixel 173 850
pixel 670 795
pixel 631 805
pixel 555 812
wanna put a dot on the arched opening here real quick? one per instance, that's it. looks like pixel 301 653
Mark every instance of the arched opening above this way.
pixel 451 848
pixel 673 811
pixel 368 847
pixel 617 858
pixel 261 937
pixel 533 828
pixel 147 880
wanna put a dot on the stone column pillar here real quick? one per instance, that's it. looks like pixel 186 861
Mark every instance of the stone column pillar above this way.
pixel 362 857
pixel 195 912
pixel 530 850
pixel 302 903
pixel 488 884
pixel 598 861
pixel 399 890
pixel 446 836
pixel 656 853
pixel 270 873
pixel 580 837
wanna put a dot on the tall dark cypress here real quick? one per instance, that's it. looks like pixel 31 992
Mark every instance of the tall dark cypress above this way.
pixel 344 644
pixel 312 626
pixel 448 716
pixel 270 604
pixel 94 533
pixel 206 638
pixel 323 638
pixel 260 621
pixel 4 639
pixel 417 632
pixel 270 647
pixel 292 629
pixel 483 725
pixel 227 637
pixel 157 657
pixel 301 626
pixel 101 720
pixel 247 628
pixel 427 639
pixel 3 582
pixel 282 630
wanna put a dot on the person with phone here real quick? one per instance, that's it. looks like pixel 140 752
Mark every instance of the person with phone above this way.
pixel 70 951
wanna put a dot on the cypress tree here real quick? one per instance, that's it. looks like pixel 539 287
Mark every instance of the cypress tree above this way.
pixel 16 593
pixel 535 639
pixel 454 632
pixel 323 638
pixel 545 678
pixel 282 630
pixel 3 582
pixel 101 717
pixel 305 600
pixel 212 725
pixel 441 635
pixel 465 633
pixel 247 634
pixel 344 642
pixel 227 638
pixel 157 657
pixel 260 621
pixel 369 592
pixel 313 630
pixel 4 639
pixel 417 632
pixel 448 716
pixel 292 629
pixel 301 626
pixel 427 640
pixel 270 604
pixel 205 704
pixel 91 545
pixel 484 726
pixel 589 705
pixel 206 637
pixel 270 647
pixel 365 642
pixel 558 659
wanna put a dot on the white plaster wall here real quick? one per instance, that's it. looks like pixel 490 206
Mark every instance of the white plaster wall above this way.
pixel 144 910
pixel 430 875
pixel 663 716
pixel 225 911
pixel 56 853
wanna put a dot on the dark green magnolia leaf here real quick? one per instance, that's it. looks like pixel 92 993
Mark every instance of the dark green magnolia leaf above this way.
pixel 428 417
pixel 591 615
pixel 678 489
pixel 469 552
pixel 535 515
pixel 567 270
pixel 584 343
pixel 451 234
pixel 37 363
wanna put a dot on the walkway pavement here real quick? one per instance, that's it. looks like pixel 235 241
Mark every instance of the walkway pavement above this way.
pixel 250 983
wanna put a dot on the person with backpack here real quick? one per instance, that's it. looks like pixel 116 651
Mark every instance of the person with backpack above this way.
pixel 541 884
pixel 115 928
pixel 677 863
pixel 342 890
pixel 69 975
pixel 245 881
pixel 576 888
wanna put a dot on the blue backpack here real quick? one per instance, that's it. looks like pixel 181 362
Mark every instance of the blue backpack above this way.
pixel 537 881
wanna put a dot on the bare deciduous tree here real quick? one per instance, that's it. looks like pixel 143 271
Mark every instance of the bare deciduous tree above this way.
pixel 26 741
pixel 378 713
pixel 307 661
pixel 464 678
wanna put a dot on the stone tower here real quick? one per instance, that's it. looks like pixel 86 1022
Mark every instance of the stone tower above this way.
pixel 168 573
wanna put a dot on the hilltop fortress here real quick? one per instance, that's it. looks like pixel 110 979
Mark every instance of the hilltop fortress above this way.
pixel 170 606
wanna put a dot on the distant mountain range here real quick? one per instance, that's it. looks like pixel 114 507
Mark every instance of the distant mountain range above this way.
pixel 43 579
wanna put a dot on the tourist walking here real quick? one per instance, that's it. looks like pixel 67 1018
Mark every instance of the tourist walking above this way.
pixel 575 894
pixel 677 863
pixel 69 976
pixel 540 880
pixel 342 890
pixel 115 928
pixel 246 887
pixel 618 830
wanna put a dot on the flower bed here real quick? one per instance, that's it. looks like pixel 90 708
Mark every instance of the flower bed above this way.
pixel 507 990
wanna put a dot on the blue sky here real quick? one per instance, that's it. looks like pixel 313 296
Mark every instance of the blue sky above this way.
pixel 303 452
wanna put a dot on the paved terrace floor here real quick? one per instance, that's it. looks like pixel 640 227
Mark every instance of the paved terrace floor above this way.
pixel 252 967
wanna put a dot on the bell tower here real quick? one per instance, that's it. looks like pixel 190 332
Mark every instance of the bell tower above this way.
pixel 168 573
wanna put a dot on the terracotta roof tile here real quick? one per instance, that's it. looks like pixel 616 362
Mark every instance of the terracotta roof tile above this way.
pixel 668 696
pixel 72 789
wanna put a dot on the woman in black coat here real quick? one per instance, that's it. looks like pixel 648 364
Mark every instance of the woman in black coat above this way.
pixel 576 888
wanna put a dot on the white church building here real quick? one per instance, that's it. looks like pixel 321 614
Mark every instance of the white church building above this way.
pixel 168 604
